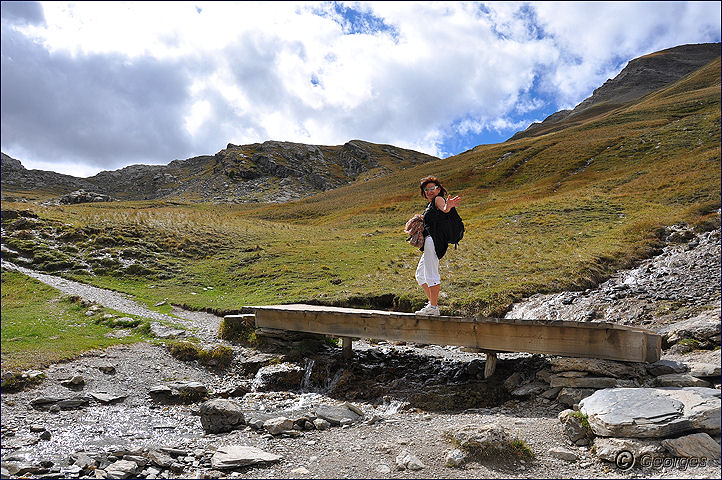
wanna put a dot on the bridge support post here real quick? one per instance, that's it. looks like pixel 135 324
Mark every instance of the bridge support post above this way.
pixel 490 364
pixel 347 352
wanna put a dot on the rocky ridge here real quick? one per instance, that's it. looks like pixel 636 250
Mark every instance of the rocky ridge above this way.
pixel 262 172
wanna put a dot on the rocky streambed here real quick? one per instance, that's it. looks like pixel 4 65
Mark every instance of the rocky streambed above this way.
pixel 394 411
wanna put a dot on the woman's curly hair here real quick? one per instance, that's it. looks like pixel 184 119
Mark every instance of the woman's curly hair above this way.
pixel 431 179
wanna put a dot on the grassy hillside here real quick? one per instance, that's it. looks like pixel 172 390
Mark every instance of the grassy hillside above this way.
pixel 559 211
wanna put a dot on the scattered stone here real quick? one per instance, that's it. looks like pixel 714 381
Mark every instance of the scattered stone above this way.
pixel 278 425
pixel 107 369
pixel 696 445
pixel 234 456
pixel 103 397
pixel 704 328
pixel 652 412
pixel 383 468
pixel 321 424
pixel 121 469
pixel 161 331
pixel 300 471
pixel 407 461
pixel 160 459
pixel 563 454
pixel 75 383
pixel 455 458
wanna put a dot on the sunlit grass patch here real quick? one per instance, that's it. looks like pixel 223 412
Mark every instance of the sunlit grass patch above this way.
pixel 41 326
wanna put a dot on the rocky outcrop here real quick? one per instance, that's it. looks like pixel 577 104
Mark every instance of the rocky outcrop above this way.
pixel 261 172
pixel 81 196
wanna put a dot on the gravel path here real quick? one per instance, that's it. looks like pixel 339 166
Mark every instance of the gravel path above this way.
pixel 203 325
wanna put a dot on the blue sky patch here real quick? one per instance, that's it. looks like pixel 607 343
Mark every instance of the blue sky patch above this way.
pixel 354 21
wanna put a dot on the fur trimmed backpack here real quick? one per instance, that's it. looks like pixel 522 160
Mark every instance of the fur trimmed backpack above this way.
pixel 415 229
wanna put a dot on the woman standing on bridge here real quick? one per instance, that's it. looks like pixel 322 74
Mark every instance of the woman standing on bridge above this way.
pixel 435 242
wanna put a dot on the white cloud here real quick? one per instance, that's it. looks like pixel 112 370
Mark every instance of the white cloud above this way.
pixel 410 73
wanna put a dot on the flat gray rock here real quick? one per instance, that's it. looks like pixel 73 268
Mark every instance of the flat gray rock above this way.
pixel 652 412
pixel 233 456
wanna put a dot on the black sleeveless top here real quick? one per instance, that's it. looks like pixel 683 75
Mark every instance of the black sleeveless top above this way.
pixel 434 220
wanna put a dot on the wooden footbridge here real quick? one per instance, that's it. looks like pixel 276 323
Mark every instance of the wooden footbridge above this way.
pixel 488 335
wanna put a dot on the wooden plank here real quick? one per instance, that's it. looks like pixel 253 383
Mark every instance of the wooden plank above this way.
pixel 592 340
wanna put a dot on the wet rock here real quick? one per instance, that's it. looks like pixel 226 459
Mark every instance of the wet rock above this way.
pixel 234 456
pixel 696 445
pixel 284 376
pixel 652 412
pixel 178 392
pixel 221 415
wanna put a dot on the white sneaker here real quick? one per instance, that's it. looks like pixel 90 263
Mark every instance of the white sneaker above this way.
pixel 429 309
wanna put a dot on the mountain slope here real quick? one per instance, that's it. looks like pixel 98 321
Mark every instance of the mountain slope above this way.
pixel 640 77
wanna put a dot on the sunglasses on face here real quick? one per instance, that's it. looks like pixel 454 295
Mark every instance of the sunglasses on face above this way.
pixel 431 189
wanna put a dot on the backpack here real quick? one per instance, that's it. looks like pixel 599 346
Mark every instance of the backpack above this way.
pixel 456 227
pixel 415 229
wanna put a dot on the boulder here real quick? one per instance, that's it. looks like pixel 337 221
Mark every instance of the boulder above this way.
pixel 652 412
pixel 221 415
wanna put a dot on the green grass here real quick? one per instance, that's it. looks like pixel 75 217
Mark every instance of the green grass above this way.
pixel 40 325
pixel 556 212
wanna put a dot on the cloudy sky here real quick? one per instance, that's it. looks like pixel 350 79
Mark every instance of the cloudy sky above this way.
pixel 93 86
